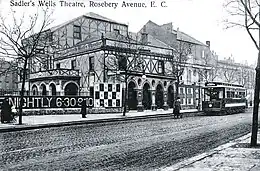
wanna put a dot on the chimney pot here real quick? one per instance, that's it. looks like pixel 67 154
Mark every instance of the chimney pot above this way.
pixel 208 43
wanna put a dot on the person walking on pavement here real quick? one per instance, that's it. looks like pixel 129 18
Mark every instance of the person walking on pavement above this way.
pixel 83 109
pixel 6 111
pixel 177 108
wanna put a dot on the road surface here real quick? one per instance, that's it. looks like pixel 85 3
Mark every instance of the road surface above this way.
pixel 132 145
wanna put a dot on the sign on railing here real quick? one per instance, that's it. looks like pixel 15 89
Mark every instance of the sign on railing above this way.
pixel 33 102
pixel 80 48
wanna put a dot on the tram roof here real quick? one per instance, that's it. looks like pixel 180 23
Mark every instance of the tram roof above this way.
pixel 225 86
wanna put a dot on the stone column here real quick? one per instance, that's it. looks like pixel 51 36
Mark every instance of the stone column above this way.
pixel 165 98
pixel 154 107
pixel 139 94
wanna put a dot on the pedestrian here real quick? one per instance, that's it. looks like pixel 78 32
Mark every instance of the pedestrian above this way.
pixel 83 109
pixel 177 108
pixel 6 111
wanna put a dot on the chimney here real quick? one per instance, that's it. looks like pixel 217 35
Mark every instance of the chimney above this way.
pixel 144 36
pixel 208 43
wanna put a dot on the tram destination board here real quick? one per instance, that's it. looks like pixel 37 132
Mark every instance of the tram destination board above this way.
pixel 36 102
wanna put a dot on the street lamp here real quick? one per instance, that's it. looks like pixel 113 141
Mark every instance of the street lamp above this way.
pixel 199 96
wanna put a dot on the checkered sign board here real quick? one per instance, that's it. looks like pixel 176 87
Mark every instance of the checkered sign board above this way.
pixel 107 95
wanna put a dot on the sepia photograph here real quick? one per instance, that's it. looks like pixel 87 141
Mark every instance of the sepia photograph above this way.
pixel 129 85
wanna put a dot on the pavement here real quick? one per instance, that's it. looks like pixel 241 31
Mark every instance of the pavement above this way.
pixel 44 121
pixel 237 155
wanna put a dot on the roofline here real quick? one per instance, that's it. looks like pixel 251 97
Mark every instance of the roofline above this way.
pixel 84 15
pixel 114 22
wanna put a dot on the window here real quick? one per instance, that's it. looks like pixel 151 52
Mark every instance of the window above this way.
pixel 181 91
pixel 58 65
pixel 189 101
pixel 194 72
pixel 76 32
pixel 91 63
pixel 161 67
pixel 73 64
pixel 50 36
pixel 122 62
pixel 189 91
pixel 203 54
pixel 117 31
pixel 182 101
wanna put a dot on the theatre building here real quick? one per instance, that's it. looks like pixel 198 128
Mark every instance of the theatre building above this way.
pixel 96 56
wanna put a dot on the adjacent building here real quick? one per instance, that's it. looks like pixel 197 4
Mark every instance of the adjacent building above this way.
pixel 8 77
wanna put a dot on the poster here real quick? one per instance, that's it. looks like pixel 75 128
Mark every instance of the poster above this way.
pixel 142 67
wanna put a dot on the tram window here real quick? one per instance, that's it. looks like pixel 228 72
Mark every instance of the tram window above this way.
pixel 228 94
pixel 220 95
pixel 242 94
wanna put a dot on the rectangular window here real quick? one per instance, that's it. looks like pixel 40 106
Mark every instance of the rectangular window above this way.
pixel 73 64
pixel 161 66
pixel 181 91
pixel 76 32
pixel 50 37
pixel 203 54
pixel 182 101
pixel 189 91
pixel 122 62
pixel 117 31
pixel 91 63
pixel 189 101
pixel 58 66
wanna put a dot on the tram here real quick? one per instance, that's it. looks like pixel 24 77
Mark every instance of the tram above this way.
pixel 223 98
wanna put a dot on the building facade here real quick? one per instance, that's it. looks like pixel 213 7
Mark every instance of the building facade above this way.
pixel 93 49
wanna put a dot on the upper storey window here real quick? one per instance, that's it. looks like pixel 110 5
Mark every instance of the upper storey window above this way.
pixel 117 31
pixel 76 32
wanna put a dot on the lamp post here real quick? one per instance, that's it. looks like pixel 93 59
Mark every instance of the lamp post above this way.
pixel 199 96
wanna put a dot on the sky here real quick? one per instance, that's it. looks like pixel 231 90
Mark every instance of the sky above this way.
pixel 201 19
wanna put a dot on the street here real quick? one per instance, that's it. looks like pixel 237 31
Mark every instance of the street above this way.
pixel 133 145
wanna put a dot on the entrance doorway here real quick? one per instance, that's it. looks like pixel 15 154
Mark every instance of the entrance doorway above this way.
pixel 147 98
pixel 71 89
pixel 132 100
pixel 159 96
pixel 170 94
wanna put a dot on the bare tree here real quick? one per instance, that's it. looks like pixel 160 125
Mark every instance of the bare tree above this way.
pixel 210 71
pixel 246 14
pixel 229 73
pixel 181 53
pixel 21 37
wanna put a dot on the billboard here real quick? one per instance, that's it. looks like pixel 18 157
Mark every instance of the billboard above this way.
pixel 36 102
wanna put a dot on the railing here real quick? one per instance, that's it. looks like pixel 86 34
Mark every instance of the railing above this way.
pixel 55 72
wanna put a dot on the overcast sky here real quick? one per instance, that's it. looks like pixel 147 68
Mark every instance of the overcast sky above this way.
pixel 202 19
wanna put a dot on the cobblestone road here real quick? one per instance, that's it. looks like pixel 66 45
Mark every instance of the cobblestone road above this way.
pixel 134 145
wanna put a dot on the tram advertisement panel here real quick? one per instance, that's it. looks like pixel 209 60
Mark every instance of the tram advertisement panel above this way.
pixel 33 102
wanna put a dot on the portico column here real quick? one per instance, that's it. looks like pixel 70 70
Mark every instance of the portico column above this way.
pixel 165 98
pixel 139 94
pixel 154 107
